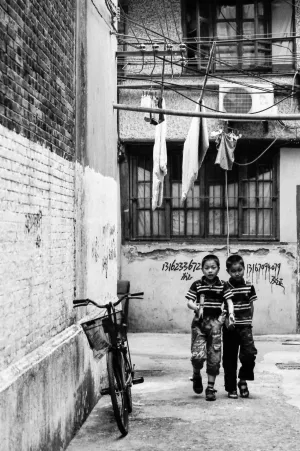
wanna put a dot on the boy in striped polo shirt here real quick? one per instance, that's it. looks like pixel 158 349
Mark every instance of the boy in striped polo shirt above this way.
pixel 238 338
pixel 206 297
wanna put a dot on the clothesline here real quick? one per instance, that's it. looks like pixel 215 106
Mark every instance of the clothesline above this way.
pixel 225 116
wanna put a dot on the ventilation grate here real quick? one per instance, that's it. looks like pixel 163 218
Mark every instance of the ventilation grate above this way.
pixel 237 100
pixel 288 366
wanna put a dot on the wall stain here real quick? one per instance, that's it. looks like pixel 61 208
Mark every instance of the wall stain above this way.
pixel 95 250
pixel 33 221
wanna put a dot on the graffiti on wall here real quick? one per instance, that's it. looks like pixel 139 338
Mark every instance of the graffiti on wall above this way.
pixel 33 224
pixel 186 267
pixel 104 248
pixel 268 271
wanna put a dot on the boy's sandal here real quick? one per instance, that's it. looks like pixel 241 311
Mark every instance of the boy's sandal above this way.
pixel 210 394
pixel 243 387
pixel 197 384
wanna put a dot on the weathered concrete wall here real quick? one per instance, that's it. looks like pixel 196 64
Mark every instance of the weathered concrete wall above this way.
pixel 47 395
pixel 134 128
pixel 159 270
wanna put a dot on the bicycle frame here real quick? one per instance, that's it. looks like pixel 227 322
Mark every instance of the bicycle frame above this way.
pixel 119 365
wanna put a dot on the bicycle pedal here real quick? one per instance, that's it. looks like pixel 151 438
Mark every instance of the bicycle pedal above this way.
pixel 137 380
pixel 104 391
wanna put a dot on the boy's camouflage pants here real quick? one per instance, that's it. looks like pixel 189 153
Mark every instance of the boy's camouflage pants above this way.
pixel 206 344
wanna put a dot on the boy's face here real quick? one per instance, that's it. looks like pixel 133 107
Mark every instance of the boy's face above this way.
pixel 236 271
pixel 210 269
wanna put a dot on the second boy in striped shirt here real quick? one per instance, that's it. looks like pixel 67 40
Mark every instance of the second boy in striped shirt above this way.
pixel 238 339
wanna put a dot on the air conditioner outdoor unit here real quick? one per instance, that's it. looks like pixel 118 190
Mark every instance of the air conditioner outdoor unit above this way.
pixel 257 99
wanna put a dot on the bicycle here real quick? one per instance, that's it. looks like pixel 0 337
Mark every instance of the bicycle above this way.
pixel 119 366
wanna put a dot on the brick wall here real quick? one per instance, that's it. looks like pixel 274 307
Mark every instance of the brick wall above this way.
pixel 37 150
pixel 36 244
pixel 37 71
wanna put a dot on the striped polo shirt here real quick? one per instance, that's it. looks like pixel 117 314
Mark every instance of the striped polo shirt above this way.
pixel 215 294
pixel 243 296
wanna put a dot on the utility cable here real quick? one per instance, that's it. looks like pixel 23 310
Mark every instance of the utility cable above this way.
pixel 218 77
pixel 221 62
pixel 259 156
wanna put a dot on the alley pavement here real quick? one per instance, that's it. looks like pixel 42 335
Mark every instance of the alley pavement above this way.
pixel 167 415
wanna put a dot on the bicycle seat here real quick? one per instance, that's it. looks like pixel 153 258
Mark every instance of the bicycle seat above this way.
pixel 123 287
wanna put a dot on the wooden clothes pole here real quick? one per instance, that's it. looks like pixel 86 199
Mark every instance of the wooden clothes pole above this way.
pixel 206 73
pixel 226 116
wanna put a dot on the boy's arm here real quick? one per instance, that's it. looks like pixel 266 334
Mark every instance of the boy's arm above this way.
pixel 227 294
pixel 252 309
pixel 253 298
pixel 191 297
pixel 192 305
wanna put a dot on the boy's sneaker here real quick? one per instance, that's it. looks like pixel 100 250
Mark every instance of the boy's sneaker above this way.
pixel 210 394
pixel 197 383
pixel 232 394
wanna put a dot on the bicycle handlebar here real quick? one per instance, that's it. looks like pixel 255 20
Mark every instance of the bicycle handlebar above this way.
pixel 85 302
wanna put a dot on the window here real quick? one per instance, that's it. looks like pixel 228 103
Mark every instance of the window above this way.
pixel 250 35
pixel 252 197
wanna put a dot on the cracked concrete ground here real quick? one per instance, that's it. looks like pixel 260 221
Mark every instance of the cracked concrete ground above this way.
pixel 167 415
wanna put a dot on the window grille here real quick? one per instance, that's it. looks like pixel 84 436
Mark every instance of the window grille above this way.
pixel 252 198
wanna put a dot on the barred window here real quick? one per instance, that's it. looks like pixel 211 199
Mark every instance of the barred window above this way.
pixel 249 34
pixel 251 192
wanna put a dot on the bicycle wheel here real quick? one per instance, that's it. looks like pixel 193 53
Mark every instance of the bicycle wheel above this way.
pixel 127 380
pixel 116 379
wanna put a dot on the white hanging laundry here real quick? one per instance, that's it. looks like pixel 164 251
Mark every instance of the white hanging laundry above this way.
pixel 159 162
pixel 146 102
pixel 194 151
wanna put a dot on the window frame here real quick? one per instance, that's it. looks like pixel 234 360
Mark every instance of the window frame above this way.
pixel 212 20
pixel 128 199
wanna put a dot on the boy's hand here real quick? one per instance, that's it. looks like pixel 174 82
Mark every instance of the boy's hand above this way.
pixel 231 319
pixel 200 312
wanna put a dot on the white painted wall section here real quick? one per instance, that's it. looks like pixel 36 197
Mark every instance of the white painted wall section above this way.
pixel 289 179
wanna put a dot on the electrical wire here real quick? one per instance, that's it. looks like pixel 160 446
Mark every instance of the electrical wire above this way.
pixel 110 25
pixel 174 19
pixel 222 62
pixel 260 88
pixel 196 102
pixel 259 156
pixel 256 112
pixel 166 18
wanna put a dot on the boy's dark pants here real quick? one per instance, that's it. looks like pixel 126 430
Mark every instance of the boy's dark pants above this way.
pixel 238 339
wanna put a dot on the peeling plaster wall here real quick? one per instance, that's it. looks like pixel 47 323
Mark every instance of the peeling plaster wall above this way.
pixel 159 271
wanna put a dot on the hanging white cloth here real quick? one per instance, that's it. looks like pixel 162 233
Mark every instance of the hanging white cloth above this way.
pixel 146 102
pixel 194 151
pixel 159 162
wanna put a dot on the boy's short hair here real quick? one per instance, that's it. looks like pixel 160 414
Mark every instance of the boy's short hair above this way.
pixel 233 259
pixel 210 257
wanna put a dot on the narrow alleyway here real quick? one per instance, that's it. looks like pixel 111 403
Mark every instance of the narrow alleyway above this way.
pixel 169 416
